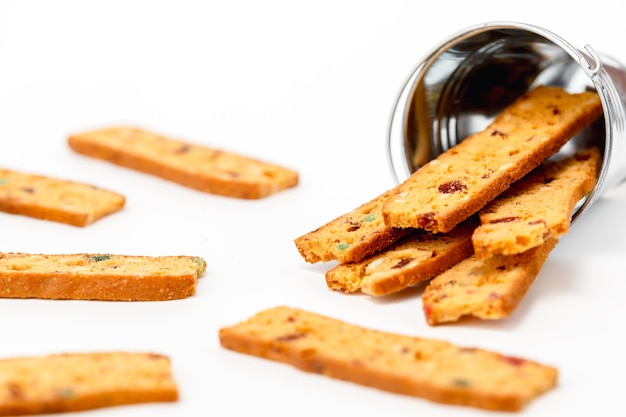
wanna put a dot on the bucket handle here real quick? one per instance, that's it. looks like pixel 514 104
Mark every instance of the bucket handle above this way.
pixel 591 68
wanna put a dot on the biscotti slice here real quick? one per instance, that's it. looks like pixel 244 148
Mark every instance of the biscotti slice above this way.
pixel 352 236
pixel 537 207
pixel 199 167
pixel 488 288
pixel 48 198
pixel 460 181
pixel 106 277
pixel 432 369
pixel 414 258
pixel 82 381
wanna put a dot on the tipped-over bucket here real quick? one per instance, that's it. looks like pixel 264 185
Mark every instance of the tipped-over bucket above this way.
pixel 459 88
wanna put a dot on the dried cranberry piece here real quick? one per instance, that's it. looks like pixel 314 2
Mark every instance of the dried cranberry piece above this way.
pixel 452 187
pixel 427 221
pixel 504 220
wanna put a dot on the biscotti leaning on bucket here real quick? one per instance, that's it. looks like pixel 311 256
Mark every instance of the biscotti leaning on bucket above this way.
pixel 106 277
pixel 521 227
pixel 69 382
pixel 195 166
pixel 531 208
pixel 432 369
pixel 538 207
pixel 417 257
pixel 466 177
pixel 352 236
pixel 48 198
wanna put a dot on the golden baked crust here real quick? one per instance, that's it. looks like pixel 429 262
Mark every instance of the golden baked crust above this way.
pixel 54 199
pixel 83 381
pixel 537 207
pixel 460 181
pixel 488 288
pixel 432 369
pixel 350 237
pixel 99 276
pixel 194 166
pixel 414 258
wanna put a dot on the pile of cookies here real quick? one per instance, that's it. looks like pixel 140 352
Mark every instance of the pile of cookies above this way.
pixel 478 221
pixel 477 224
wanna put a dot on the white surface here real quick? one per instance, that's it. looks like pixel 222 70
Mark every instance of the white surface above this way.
pixel 309 85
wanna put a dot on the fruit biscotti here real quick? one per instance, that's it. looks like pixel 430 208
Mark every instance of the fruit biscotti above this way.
pixel 350 237
pixel 48 198
pixel 432 369
pixel 199 167
pixel 489 288
pixel 537 207
pixel 460 181
pixel 99 276
pixel 82 381
pixel 414 258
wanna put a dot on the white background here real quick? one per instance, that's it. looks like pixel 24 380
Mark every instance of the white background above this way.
pixel 308 85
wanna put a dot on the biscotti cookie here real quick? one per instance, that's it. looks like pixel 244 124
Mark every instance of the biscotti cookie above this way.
pixel 350 237
pixel 460 181
pixel 414 258
pixel 488 288
pixel 99 276
pixel 537 207
pixel 199 167
pixel 55 199
pixel 83 381
pixel 432 369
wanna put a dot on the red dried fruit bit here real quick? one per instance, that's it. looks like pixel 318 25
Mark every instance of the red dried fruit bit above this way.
pixel 427 221
pixel 512 360
pixel 452 187
pixel 183 149
pixel 15 391
pixel 428 310
pixel 232 174
pixel 555 110
pixel 500 133
pixel 290 337
pixel 504 220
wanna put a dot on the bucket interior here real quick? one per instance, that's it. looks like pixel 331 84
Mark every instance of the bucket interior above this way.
pixel 462 86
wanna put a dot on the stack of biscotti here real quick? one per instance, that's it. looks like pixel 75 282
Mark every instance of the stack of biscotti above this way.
pixel 469 205
pixel 106 277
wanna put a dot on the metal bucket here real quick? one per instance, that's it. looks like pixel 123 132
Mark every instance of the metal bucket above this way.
pixel 465 81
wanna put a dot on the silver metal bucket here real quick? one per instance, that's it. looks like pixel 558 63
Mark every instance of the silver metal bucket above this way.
pixel 464 82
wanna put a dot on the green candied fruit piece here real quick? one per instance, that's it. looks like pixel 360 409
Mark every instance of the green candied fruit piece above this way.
pixel 67 393
pixel 343 246
pixel 99 258
pixel 3 181
pixel 200 264
pixel 461 383
pixel 370 217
